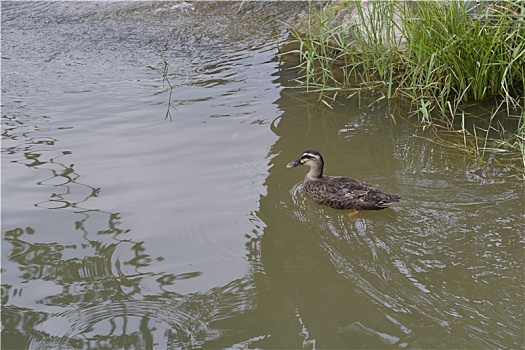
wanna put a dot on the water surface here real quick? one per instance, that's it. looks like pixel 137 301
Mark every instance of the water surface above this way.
pixel 122 228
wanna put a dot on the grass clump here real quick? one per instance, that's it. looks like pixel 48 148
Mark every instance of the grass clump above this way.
pixel 439 55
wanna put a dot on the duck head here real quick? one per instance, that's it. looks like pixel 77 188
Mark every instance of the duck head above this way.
pixel 313 159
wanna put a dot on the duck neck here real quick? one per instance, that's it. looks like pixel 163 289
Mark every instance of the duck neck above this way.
pixel 316 172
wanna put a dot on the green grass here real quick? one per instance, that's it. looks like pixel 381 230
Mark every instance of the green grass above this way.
pixel 441 56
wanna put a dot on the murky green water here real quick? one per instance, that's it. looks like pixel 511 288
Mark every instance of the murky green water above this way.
pixel 123 229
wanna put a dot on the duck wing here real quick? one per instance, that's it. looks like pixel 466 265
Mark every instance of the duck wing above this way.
pixel 346 193
pixel 346 187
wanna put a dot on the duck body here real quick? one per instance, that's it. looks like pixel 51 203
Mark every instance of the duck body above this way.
pixel 339 192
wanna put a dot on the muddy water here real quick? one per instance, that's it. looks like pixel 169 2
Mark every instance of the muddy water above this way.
pixel 122 228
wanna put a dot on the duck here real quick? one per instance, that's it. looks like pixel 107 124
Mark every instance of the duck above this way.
pixel 340 192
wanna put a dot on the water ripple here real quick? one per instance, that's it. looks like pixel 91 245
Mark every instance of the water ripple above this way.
pixel 157 321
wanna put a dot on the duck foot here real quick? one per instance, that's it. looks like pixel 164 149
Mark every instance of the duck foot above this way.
pixel 352 215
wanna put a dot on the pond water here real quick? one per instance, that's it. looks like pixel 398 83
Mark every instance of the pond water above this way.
pixel 124 227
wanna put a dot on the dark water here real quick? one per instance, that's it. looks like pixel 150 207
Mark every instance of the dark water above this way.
pixel 124 229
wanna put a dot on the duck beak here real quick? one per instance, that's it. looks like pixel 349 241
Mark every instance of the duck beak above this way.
pixel 294 163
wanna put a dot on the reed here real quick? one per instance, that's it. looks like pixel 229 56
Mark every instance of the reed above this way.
pixel 441 57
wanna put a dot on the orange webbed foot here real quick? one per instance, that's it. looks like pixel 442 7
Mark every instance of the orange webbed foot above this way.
pixel 352 215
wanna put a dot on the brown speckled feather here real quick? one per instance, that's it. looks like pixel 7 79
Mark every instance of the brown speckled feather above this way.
pixel 344 193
